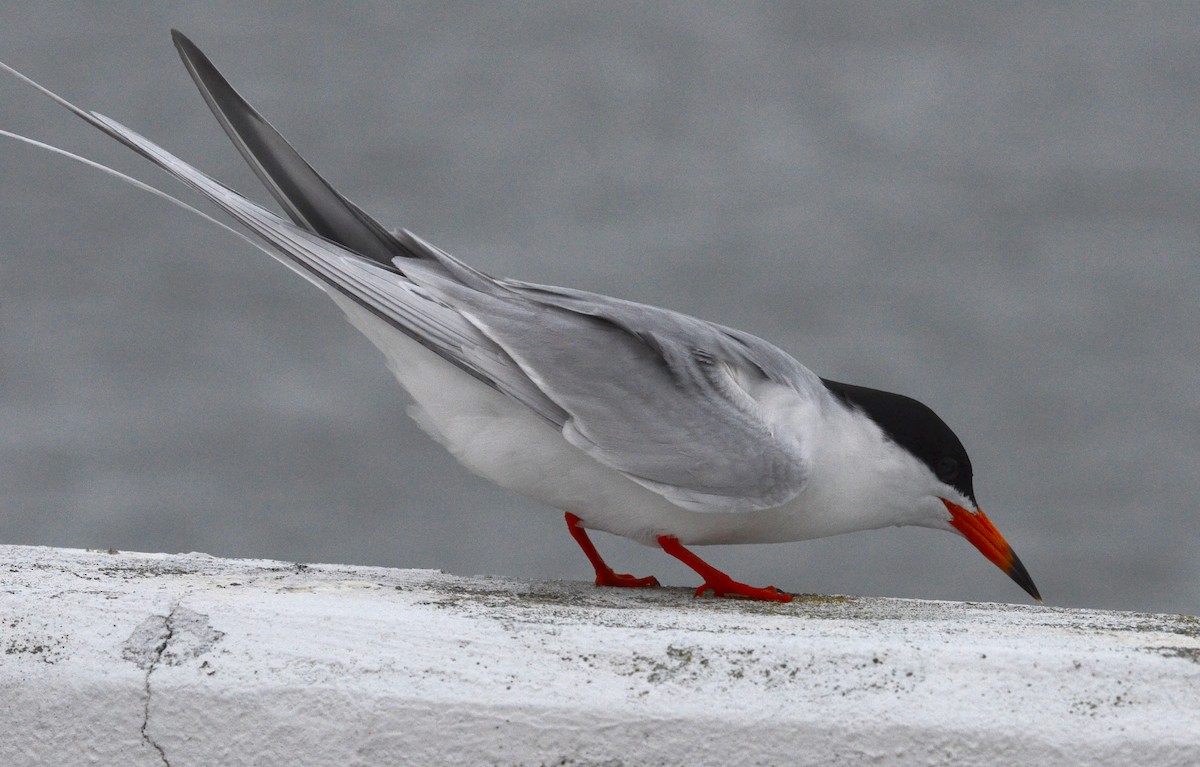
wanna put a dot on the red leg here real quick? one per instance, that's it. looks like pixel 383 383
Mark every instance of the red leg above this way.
pixel 604 574
pixel 720 584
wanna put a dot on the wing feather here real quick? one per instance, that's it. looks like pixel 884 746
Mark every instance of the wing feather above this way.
pixel 673 402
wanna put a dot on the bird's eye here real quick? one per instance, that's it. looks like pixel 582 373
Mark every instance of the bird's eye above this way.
pixel 946 469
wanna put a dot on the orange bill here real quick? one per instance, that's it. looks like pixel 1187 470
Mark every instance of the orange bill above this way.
pixel 983 535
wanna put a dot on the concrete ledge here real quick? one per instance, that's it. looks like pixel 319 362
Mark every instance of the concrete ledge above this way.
pixel 151 659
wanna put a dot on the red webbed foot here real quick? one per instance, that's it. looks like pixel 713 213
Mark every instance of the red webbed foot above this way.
pixel 625 580
pixel 715 581
pixel 736 590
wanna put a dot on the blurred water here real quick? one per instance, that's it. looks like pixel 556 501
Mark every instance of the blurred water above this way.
pixel 991 207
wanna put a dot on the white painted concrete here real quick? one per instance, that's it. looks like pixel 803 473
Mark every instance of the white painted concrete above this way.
pixel 151 659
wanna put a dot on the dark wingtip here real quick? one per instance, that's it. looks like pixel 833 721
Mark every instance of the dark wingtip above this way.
pixel 307 198
pixel 185 46
pixel 1018 573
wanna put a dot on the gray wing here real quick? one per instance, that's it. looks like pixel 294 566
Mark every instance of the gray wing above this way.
pixel 683 407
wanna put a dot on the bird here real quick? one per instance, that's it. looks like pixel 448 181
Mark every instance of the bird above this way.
pixel 630 419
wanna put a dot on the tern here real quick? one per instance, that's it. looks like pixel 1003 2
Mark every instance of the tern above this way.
pixel 631 419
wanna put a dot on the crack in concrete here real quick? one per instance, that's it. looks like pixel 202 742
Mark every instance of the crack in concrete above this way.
pixel 155 657
pixel 167 640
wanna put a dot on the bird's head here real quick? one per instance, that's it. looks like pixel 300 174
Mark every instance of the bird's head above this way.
pixel 942 469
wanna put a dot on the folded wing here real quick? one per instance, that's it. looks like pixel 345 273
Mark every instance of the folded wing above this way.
pixel 693 411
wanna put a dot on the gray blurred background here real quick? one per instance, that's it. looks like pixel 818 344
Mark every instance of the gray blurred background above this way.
pixel 993 207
